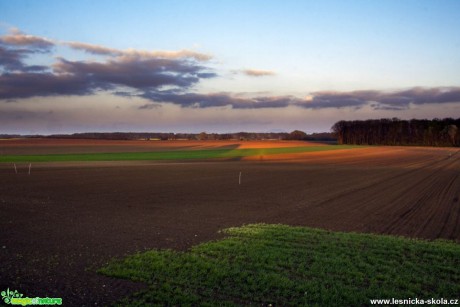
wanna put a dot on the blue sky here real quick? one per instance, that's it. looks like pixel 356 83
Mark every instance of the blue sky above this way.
pixel 251 65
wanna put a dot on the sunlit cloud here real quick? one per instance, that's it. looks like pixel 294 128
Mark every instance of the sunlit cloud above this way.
pixel 165 54
pixel 258 72
pixel 93 49
pixel 145 54
pixel 19 39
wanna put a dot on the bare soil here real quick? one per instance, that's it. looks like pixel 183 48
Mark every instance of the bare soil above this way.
pixel 63 146
pixel 65 220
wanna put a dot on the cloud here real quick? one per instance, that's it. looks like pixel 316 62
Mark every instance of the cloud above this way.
pixel 258 72
pixel 169 77
pixel 396 100
pixel 24 85
pixel 150 106
pixel 144 54
pixel 12 60
pixel 16 46
pixel 83 78
pixel 194 100
pixel 166 54
pixel 385 107
pixel 329 99
pixel 141 74
pixel 19 39
pixel 378 100
pixel 137 70
pixel 419 95
pixel 93 49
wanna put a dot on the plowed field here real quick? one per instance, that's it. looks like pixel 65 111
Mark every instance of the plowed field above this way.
pixel 65 220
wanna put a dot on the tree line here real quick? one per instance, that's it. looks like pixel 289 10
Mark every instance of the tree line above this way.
pixel 241 136
pixel 421 132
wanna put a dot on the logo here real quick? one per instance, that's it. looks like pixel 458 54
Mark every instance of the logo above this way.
pixel 15 298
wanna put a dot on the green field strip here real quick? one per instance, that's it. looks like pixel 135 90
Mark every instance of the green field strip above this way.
pixel 293 266
pixel 168 155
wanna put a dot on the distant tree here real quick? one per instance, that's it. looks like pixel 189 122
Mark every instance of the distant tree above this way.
pixel 203 136
pixel 452 131
pixel 297 135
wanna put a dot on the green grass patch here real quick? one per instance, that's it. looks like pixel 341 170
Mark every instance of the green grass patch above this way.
pixel 277 264
pixel 168 155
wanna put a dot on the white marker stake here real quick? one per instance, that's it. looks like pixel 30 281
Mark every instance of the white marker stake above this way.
pixel 15 169
pixel 239 179
pixel 30 166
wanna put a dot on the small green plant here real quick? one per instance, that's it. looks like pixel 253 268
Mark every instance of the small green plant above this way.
pixel 281 265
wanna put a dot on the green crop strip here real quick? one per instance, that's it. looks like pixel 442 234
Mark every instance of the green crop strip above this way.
pixel 281 265
pixel 169 155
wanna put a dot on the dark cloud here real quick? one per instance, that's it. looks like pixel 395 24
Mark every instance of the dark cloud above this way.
pixel 420 95
pixel 123 94
pixel 82 78
pixel 140 71
pixel 381 100
pixel 206 75
pixel 322 100
pixel 378 100
pixel 150 106
pixel 194 100
pixel 16 46
pixel 141 74
pixel 12 60
pixel 385 107
pixel 24 85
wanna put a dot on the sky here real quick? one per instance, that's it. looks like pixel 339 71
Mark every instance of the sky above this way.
pixel 224 66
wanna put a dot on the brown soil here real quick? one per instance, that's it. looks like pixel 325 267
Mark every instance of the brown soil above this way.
pixel 62 146
pixel 64 221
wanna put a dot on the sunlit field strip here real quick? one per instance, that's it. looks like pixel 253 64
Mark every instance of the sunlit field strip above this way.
pixel 293 266
pixel 169 155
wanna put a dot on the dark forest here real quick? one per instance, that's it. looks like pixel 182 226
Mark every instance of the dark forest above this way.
pixel 417 132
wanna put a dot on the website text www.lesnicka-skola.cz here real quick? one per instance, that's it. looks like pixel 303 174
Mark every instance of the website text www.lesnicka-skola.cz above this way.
pixel 415 301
